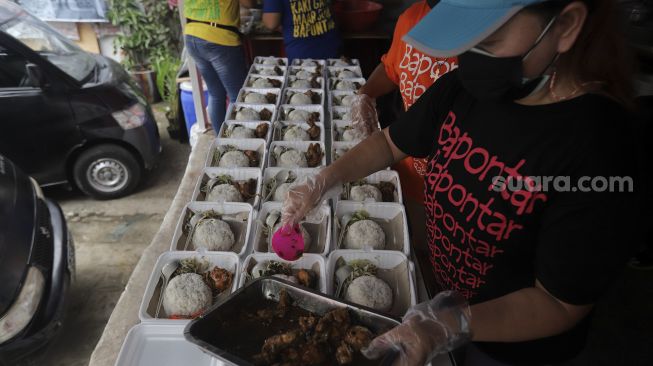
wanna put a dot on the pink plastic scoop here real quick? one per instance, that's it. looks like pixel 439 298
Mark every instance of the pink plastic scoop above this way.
pixel 288 243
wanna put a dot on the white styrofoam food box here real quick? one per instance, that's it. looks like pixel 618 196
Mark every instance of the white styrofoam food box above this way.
pixel 258 145
pixel 285 109
pixel 335 97
pixel 236 174
pixel 281 81
pixel 337 62
pixel 304 62
pixel 339 113
pixel 234 108
pixel 307 261
pixel 245 214
pixel 279 126
pixel 334 72
pixel 293 79
pixel 340 148
pixel 270 173
pixel 288 92
pixel 384 176
pixel 261 60
pixel 317 223
pixel 390 216
pixel 244 91
pixel 262 70
pixel 225 260
pixel 301 146
pixel 252 125
pixel 356 83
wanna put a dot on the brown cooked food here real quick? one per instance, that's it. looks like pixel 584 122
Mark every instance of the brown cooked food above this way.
pixel 314 155
pixel 311 340
pixel 253 157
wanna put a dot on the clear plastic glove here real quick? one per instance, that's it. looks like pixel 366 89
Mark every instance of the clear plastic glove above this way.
pixel 304 196
pixel 439 325
pixel 363 114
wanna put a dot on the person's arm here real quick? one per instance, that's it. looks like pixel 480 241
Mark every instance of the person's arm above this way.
pixel 378 83
pixel 272 21
pixel 248 4
pixel 524 315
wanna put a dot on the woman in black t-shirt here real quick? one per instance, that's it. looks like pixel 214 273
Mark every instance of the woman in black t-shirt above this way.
pixel 525 142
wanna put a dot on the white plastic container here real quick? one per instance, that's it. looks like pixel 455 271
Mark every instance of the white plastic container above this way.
pixel 260 59
pixel 384 176
pixel 288 92
pixel 301 146
pixel 285 109
pixel 259 70
pixel 270 173
pixel 302 62
pixel 334 61
pixel 252 125
pixel 340 148
pixel 334 72
pixel 277 134
pixel 314 71
pixel 357 83
pixel 280 84
pixel 390 216
pixel 317 223
pixel 241 219
pixel 153 291
pixel 236 174
pixel 233 109
pixel 161 345
pixel 314 262
pixel 394 268
pixel 292 79
pixel 258 145
pixel 338 128
pixel 244 91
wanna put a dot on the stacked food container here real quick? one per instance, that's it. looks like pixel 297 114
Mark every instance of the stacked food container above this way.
pixel 288 121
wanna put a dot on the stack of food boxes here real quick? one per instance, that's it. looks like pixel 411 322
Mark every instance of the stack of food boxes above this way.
pixel 288 122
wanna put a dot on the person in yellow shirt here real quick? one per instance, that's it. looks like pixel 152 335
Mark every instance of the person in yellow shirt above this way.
pixel 213 41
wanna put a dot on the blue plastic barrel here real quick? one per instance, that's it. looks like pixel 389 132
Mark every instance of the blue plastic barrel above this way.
pixel 187 104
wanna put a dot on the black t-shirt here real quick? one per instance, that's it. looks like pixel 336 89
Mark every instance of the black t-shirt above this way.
pixel 486 242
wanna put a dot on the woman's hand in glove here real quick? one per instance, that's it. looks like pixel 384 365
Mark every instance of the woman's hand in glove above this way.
pixel 304 195
pixel 363 114
pixel 428 329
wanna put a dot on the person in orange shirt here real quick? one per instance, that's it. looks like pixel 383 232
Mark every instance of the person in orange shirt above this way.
pixel 413 72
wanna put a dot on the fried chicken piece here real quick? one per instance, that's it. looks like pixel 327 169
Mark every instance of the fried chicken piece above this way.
pixel 278 70
pixel 275 83
pixel 315 84
pixel 246 188
pixel 313 131
pixel 344 354
pixel 261 130
pixel 314 117
pixel 275 344
pixel 312 354
pixel 387 191
pixel 290 355
pixel 253 157
pixel 219 279
pixel 314 155
pixel 307 323
pixel 332 326
pixel 305 277
pixel 358 337
pixel 265 114
pixel 315 97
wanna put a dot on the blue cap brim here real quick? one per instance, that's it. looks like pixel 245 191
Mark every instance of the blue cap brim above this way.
pixel 449 30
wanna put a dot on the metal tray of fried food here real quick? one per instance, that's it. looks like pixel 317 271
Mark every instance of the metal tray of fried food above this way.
pixel 219 333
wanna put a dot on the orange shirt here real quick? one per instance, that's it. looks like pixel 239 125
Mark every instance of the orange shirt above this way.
pixel 414 72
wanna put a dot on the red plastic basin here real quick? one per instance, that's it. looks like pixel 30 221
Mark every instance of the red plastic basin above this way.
pixel 357 15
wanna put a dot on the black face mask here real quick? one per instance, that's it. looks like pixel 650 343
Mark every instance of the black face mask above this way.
pixel 497 79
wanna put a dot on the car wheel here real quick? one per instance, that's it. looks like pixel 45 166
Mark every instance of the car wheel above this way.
pixel 106 172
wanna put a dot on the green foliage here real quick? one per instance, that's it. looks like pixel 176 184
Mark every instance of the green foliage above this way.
pixel 166 67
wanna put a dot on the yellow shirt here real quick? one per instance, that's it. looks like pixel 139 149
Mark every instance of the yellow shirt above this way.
pixel 225 12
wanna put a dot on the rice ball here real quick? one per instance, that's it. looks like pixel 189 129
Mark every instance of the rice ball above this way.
pixel 300 99
pixel 241 132
pixel 304 74
pixel 262 84
pixel 308 63
pixel 298 115
pixel 365 192
pixel 292 159
pixel 224 193
pixel 347 100
pixel 267 72
pixel 301 84
pixel 234 159
pixel 363 234
pixel 247 114
pixel 340 63
pixel 347 74
pixel 186 295
pixel 281 192
pixel 296 133
pixel 305 235
pixel 270 61
pixel 353 135
pixel 345 85
pixel 256 98
pixel 213 235
pixel 370 291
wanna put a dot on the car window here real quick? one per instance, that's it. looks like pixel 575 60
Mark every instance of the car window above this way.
pixel 13 70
